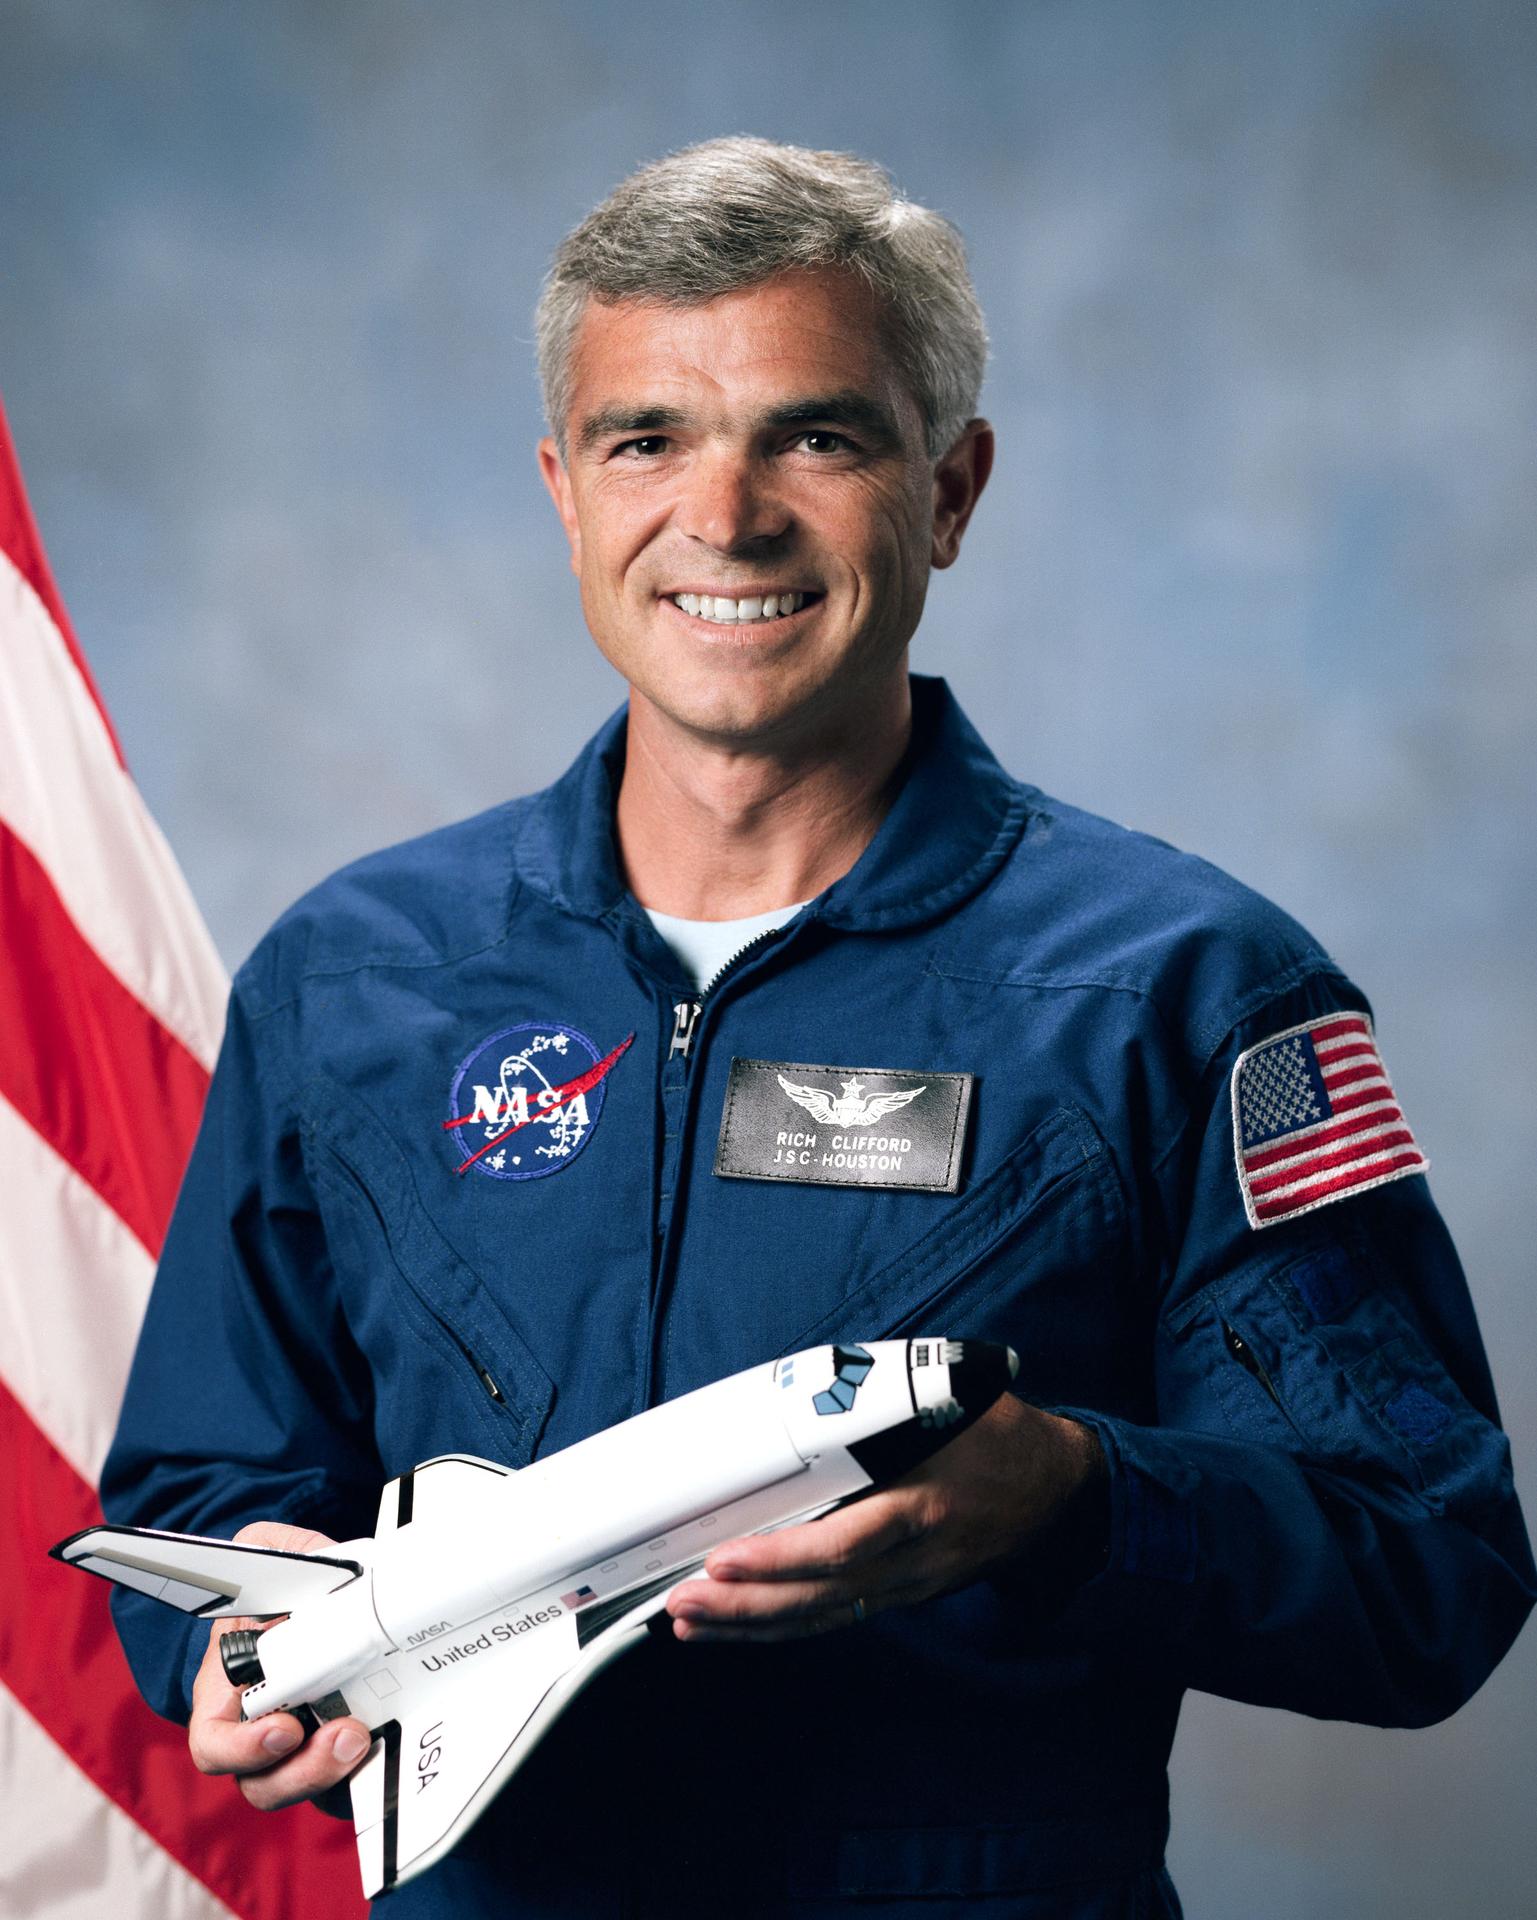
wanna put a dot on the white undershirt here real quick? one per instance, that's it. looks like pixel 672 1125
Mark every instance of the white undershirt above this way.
pixel 704 946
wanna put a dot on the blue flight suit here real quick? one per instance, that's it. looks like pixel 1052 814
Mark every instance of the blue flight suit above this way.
pixel 1310 1499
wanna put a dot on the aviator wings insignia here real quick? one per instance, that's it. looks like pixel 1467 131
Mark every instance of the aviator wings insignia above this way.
pixel 852 1107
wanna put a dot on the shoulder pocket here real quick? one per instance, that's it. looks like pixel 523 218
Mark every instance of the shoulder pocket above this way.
pixel 435 1286
pixel 1332 1365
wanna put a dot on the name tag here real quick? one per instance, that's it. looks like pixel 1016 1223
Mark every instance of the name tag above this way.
pixel 844 1126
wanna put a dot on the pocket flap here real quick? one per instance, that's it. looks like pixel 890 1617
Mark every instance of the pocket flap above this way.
pixel 1061 1163
pixel 452 1291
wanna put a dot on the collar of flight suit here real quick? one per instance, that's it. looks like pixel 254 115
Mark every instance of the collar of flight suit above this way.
pixel 955 819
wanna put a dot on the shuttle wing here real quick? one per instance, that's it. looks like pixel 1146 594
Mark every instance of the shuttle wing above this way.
pixel 454 1737
pixel 211 1578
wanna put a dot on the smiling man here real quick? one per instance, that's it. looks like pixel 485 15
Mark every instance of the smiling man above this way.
pixel 788 1017
pixel 753 513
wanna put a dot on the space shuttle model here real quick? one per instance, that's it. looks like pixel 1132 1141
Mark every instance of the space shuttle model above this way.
pixel 488 1598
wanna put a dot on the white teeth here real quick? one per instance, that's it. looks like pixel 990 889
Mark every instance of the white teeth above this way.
pixel 725 612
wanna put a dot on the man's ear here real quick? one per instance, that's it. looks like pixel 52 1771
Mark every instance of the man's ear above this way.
pixel 552 470
pixel 959 477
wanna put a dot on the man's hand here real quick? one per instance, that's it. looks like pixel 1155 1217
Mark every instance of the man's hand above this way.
pixel 273 1764
pixel 977 1503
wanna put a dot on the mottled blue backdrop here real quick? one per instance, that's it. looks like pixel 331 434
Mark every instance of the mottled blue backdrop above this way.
pixel 1258 568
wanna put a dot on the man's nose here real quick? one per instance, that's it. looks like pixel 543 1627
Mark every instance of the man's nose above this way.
pixel 730 501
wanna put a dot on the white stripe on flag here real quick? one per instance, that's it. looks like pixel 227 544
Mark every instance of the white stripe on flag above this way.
pixel 1355 1081
pixel 73 1286
pixel 64 792
pixel 72 1853
pixel 1367 1083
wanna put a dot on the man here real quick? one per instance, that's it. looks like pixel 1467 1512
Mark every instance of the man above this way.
pixel 1254 1447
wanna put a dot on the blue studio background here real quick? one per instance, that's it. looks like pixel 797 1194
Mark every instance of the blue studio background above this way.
pixel 1257 570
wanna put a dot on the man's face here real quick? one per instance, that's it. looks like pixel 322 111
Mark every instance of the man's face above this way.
pixel 759 446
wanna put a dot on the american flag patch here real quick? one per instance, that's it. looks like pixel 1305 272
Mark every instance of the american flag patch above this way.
pixel 1315 1119
pixel 577 1598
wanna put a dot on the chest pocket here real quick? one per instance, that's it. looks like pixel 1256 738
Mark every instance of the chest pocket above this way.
pixel 1036 1255
pixel 442 1351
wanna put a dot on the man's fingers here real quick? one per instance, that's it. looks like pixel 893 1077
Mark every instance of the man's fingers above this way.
pixel 326 1758
pixel 219 1740
pixel 282 1537
pixel 214 1700
pixel 836 1545
pixel 807 1579
pixel 727 1603
pixel 705 1610
pixel 274 1765
pixel 222 1745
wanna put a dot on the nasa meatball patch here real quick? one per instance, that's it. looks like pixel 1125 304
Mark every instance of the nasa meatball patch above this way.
pixel 843 1126
pixel 1315 1119
pixel 525 1101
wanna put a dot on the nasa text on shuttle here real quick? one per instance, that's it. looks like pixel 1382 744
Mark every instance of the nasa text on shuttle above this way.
pixel 489 1164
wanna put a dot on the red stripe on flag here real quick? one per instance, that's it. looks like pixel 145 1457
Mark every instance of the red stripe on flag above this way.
pixel 1341 1183
pixel 20 539
pixel 61 1659
pixel 83 1061
pixel 1313 1163
pixel 1305 1142
pixel 1336 1029
pixel 1348 1076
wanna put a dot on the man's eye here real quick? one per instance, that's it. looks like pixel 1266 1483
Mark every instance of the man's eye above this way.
pixel 819 440
pixel 647 447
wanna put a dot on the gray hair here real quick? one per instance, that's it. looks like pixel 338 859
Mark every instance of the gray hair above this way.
pixel 729 214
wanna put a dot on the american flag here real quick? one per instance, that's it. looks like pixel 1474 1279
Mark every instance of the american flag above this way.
pixel 111 1006
pixel 1315 1118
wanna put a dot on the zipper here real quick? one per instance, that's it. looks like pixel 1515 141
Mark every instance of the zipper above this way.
pixel 676 1088
pixel 481 1373
pixel 685 1017
pixel 686 1013
pixel 1249 1360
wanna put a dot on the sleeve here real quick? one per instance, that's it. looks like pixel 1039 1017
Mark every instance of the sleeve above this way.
pixel 248 1398
pixel 1322 1515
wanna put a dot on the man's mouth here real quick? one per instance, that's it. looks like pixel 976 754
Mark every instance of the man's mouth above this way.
pixel 723 611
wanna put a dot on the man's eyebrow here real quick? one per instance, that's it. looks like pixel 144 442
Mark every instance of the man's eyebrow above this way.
pixel 848 408
pixel 609 420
